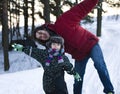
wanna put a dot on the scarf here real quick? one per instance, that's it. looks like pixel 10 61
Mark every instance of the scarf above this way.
pixel 52 53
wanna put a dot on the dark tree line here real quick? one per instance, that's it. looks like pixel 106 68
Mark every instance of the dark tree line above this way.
pixel 12 10
pixel 5 41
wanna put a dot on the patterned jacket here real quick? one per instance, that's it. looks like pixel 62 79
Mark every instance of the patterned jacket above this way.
pixel 52 72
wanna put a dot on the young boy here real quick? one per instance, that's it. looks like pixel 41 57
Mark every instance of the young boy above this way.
pixel 54 63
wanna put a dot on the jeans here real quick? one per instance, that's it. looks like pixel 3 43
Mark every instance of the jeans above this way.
pixel 99 63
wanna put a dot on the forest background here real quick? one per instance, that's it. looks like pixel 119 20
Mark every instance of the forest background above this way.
pixel 16 14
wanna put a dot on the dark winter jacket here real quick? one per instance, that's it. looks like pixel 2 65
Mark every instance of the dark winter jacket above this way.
pixel 52 72
pixel 78 41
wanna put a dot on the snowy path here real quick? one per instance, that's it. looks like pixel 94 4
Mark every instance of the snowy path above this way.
pixel 24 82
pixel 30 81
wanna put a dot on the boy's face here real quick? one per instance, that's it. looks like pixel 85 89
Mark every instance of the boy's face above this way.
pixel 56 46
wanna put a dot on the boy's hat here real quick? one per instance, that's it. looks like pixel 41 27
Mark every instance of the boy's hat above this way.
pixel 55 39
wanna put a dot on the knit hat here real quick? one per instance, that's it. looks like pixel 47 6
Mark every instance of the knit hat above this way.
pixel 55 39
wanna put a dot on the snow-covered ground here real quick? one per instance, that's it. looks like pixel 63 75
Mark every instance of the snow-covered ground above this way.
pixel 25 75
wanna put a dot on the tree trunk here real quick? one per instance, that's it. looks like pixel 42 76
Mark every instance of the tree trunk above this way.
pixel 5 34
pixel 46 11
pixel 10 21
pixel 76 1
pixel 58 8
pixel 26 18
pixel 33 24
pixel 99 18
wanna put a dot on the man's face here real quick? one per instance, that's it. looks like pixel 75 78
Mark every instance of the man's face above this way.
pixel 56 46
pixel 42 35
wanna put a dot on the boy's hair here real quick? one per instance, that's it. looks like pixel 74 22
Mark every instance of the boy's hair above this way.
pixel 55 39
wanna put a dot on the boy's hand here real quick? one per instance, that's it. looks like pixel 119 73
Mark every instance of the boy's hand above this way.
pixel 77 77
pixel 17 47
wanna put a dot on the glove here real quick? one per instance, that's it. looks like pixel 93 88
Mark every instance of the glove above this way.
pixel 77 77
pixel 17 47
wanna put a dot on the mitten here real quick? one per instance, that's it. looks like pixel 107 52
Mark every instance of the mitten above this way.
pixel 77 77
pixel 17 47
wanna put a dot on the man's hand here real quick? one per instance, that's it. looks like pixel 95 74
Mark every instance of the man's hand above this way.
pixel 17 47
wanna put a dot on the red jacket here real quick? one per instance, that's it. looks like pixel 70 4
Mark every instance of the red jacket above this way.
pixel 78 41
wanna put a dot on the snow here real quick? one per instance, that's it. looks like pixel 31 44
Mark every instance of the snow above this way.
pixel 25 73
